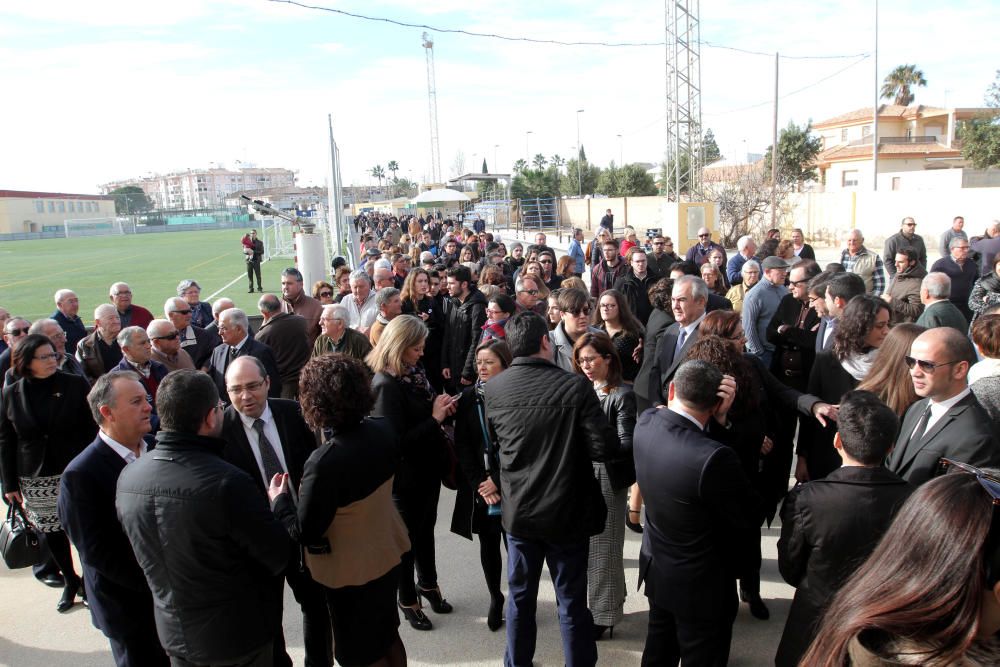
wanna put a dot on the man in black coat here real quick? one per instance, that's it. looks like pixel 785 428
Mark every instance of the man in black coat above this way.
pixel 212 551
pixel 253 258
pixel 233 326
pixel 906 237
pixel 280 443
pixel 287 334
pixel 548 426
pixel 121 605
pixel 687 301
pixel 465 319
pixel 831 525
pixel 701 520
pixel 635 284
pixel 66 314
pixel 949 421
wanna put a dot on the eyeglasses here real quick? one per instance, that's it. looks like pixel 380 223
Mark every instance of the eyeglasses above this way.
pixel 59 335
pixel 587 361
pixel 18 332
pixel 796 283
pixel 579 311
pixel 170 336
pixel 182 312
pixel 927 366
pixel 532 292
pixel 326 294
pixel 47 357
pixel 127 292
pixel 249 386
pixel 988 481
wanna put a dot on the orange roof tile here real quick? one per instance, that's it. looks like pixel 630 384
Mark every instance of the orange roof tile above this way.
pixel 887 111
pixel 890 151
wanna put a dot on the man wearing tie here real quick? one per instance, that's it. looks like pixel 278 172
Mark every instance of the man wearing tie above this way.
pixel 265 437
pixel 233 328
pixel 121 605
pixel 687 301
pixel 949 421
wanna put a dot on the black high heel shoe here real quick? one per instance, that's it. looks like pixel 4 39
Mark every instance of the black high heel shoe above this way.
pixel 757 607
pixel 599 631
pixel 416 617
pixel 438 603
pixel 68 598
pixel 634 527
pixel 495 618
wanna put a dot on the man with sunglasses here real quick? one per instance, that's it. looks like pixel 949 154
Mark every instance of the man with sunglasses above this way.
pixel 166 348
pixel 574 304
pixel 699 252
pixel 906 237
pixel 196 341
pixel 14 331
pixel 948 421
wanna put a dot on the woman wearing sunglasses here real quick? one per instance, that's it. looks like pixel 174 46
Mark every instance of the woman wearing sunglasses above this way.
pixel 930 592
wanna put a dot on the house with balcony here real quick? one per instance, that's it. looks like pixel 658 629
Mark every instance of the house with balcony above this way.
pixel 918 149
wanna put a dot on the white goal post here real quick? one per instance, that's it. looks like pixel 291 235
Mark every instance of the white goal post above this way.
pixel 97 227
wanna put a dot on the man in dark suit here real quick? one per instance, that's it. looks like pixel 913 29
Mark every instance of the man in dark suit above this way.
pixel 197 342
pixel 949 421
pixel 281 442
pixel 840 289
pixel 687 301
pixel 233 326
pixel 121 605
pixel 701 520
pixel 66 314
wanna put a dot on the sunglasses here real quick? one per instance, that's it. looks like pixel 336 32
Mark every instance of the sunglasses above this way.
pixel 182 312
pixel 704 236
pixel 989 482
pixel 170 336
pixel 326 294
pixel 579 311
pixel 18 332
pixel 927 366
pixel 793 283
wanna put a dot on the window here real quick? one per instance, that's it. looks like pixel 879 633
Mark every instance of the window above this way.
pixel 896 181
pixel 52 207
pixel 849 179
pixel 843 135
pixel 71 207
pixel 39 206
pixel 62 207
pixel 866 131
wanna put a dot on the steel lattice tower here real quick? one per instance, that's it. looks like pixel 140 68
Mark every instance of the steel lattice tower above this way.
pixel 683 99
pixel 433 110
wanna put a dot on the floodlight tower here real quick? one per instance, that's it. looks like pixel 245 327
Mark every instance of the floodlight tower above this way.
pixel 683 38
pixel 433 108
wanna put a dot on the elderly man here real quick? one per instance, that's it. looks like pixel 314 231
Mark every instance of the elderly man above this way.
pixel 121 605
pixel 129 313
pixel 963 273
pixel 390 305
pixel 361 309
pixel 526 293
pixel 295 300
pixel 137 356
pixel 287 336
pixel 903 295
pixel 265 437
pixel 53 330
pixel 166 346
pixel 746 249
pixel 949 421
pixel 955 231
pixel 760 305
pixel 698 253
pixel 4 316
pixel 338 337
pixel 906 237
pixel 14 331
pixel 857 259
pixel 66 314
pixel 99 352
pixel 220 305
pixel 236 342
pixel 382 276
pixel 196 341
pixel 939 311
pixel 687 302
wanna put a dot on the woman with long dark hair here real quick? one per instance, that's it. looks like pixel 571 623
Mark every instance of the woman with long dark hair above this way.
pixel 889 378
pixel 930 592
pixel 45 421
pixel 404 396
pixel 614 317
pixel 861 330
pixel 595 356
pixel 345 509
pixel 477 499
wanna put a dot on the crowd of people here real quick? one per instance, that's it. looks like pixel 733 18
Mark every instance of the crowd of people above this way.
pixel 198 463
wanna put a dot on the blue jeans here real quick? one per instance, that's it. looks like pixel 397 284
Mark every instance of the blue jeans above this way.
pixel 568 569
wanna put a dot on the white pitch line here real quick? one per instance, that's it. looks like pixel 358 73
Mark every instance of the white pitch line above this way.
pixel 228 285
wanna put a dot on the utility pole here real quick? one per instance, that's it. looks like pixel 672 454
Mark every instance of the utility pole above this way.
pixel 619 151
pixel 527 153
pixel 579 156
pixel 774 149
pixel 875 112
pixel 428 44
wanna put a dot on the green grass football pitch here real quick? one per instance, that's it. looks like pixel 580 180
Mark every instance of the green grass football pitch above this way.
pixel 152 265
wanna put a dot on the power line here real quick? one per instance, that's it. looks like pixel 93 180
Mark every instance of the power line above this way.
pixel 554 42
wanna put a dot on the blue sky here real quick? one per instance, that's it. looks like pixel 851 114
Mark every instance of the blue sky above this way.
pixel 112 89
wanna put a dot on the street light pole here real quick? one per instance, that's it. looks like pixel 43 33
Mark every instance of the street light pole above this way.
pixel 527 153
pixel 619 151
pixel 579 158
pixel 496 167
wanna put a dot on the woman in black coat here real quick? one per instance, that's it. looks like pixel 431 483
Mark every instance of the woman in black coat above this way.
pixel 404 396
pixel 595 357
pixel 477 498
pixel 417 301
pixel 45 422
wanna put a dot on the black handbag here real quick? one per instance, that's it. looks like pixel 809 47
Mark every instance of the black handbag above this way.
pixel 19 541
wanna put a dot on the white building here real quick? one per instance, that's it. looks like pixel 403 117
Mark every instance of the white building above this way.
pixel 205 188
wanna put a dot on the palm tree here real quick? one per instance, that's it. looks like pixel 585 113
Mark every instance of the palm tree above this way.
pixel 539 161
pixel 379 173
pixel 898 83
pixel 393 166
pixel 557 161
pixel 520 166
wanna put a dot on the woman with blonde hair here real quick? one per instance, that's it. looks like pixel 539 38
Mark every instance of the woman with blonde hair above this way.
pixel 630 241
pixel 889 377
pixel 404 396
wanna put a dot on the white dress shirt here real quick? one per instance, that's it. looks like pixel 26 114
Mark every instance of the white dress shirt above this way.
pixel 938 410
pixel 121 450
pixel 271 432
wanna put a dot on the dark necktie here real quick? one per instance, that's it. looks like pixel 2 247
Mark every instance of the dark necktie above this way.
pixel 918 433
pixel 272 465
pixel 231 356
pixel 680 344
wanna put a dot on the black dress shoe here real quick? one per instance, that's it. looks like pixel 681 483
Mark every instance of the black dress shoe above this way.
pixel 634 527
pixel 53 580
pixel 599 631
pixel 438 603
pixel 68 598
pixel 495 618
pixel 416 617
pixel 757 607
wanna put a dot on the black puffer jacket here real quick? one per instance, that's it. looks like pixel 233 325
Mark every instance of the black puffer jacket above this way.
pixel 619 409
pixel 462 331
pixel 209 546
pixel 548 426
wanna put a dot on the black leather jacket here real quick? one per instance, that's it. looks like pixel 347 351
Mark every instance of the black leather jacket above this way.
pixel 619 408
